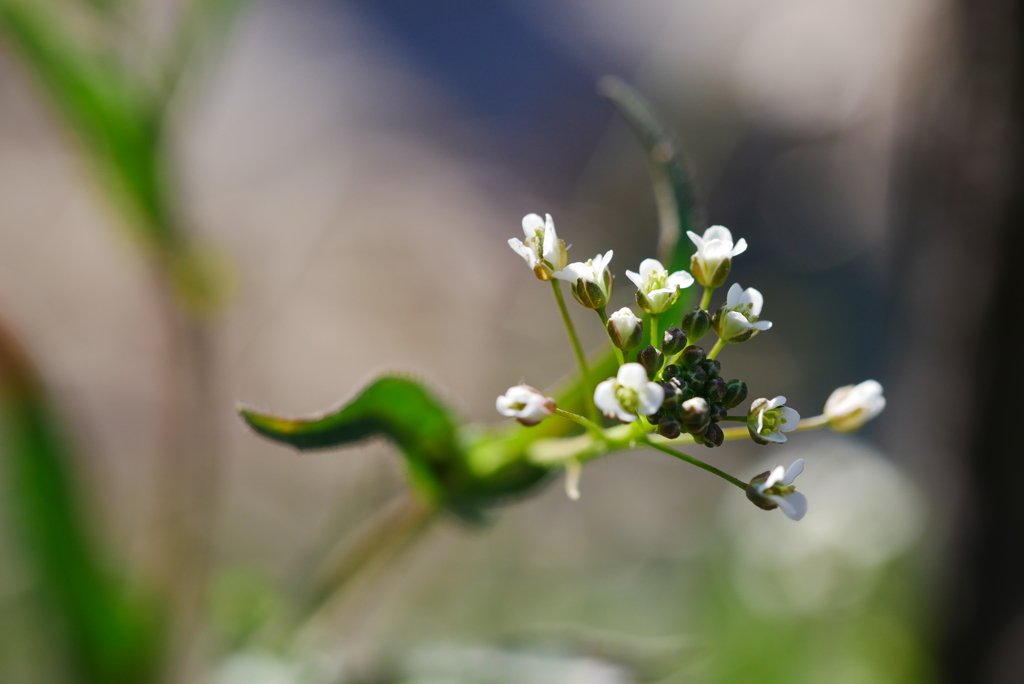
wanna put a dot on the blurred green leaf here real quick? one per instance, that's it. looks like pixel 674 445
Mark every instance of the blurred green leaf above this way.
pixel 436 452
pixel 112 114
pixel 112 639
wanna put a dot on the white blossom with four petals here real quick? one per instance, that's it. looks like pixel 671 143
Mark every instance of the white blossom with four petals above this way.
pixel 657 290
pixel 739 319
pixel 526 404
pixel 851 406
pixel 628 394
pixel 713 259
pixel 591 280
pixel 543 252
pixel 777 491
pixel 768 420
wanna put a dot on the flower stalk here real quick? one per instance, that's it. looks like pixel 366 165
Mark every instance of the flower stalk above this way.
pixel 577 349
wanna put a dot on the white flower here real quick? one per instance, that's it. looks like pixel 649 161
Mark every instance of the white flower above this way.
pixel 628 394
pixel 775 489
pixel 739 318
pixel 543 251
pixel 591 280
pixel 713 260
pixel 525 404
pixel 851 406
pixel 656 289
pixel 768 420
pixel 625 329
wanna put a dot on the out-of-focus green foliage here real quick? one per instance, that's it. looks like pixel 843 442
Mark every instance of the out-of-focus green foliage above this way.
pixel 112 114
pixel 112 638
pixel 402 410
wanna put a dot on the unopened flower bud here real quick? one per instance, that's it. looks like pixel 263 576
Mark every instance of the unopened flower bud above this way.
pixel 736 393
pixel 851 406
pixel 673 341
pixel 671 371
pixel 669 429
pixel 692 356
pixel 712 367
pixel 696 323
pixel 651 359
pixel 625 329
pixel 694 413
pixel 715 389
pixel 717 412
pixel 713 436
pixel 697 378
pixel 672 394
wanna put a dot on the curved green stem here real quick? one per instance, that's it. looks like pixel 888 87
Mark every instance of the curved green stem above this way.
pixel 577 350
pixel 590 425
pixel 706 299
pixel 697 462
pixel 719 345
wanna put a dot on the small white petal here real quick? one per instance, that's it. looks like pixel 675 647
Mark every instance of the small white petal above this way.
pixel 504 406
pixel 761 325
pixel 775 437
pixel 531 224
pixel 794 471
pixel 791 419
pixel 718 233
pixel 680 279
pixel 793 506
pixel 636 279
pixel 778 472
pixel 734 297
pixel 647 266
pixel 755 299
pixel 573 471
pixel 696 239
pixel 650 398
pixel 632 375
pixel 604 398
pixel 522 250
pixel 740 247
pixel 776 402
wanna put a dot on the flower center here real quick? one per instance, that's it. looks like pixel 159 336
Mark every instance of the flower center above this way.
pixel 656 280
pixel 771 421
pixel 627 398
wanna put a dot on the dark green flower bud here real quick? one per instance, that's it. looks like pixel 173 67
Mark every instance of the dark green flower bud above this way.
pixel 669 429
pixel 696 323
pixel 717 412
pixel 590 294
pixel 692 356
pixel 736 393
pixel 687 394
pixel 625 329
pixel 695 415
pixel 651 359
pixel 673 341
pixel 672 395
pixel 712 367
pixel 715 389
pixel 671 371
pixel 713 436
pixel 697 379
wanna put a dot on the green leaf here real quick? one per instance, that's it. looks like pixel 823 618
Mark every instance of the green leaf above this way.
pixel 112 639
pixel 110 113
pixel 437 452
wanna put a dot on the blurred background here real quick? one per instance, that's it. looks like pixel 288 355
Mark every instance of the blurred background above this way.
pixel 346 174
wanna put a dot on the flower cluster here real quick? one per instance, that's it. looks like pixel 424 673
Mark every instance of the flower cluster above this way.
pixel 670 391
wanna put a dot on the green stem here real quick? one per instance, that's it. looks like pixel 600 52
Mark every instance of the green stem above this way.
pixel 736 419
pixel 697 462
pixel 577 350
pixel 590 425
pixel 655 342
pixel 812 423
pixel 706 299
pixel 603 315
pixel 719 345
